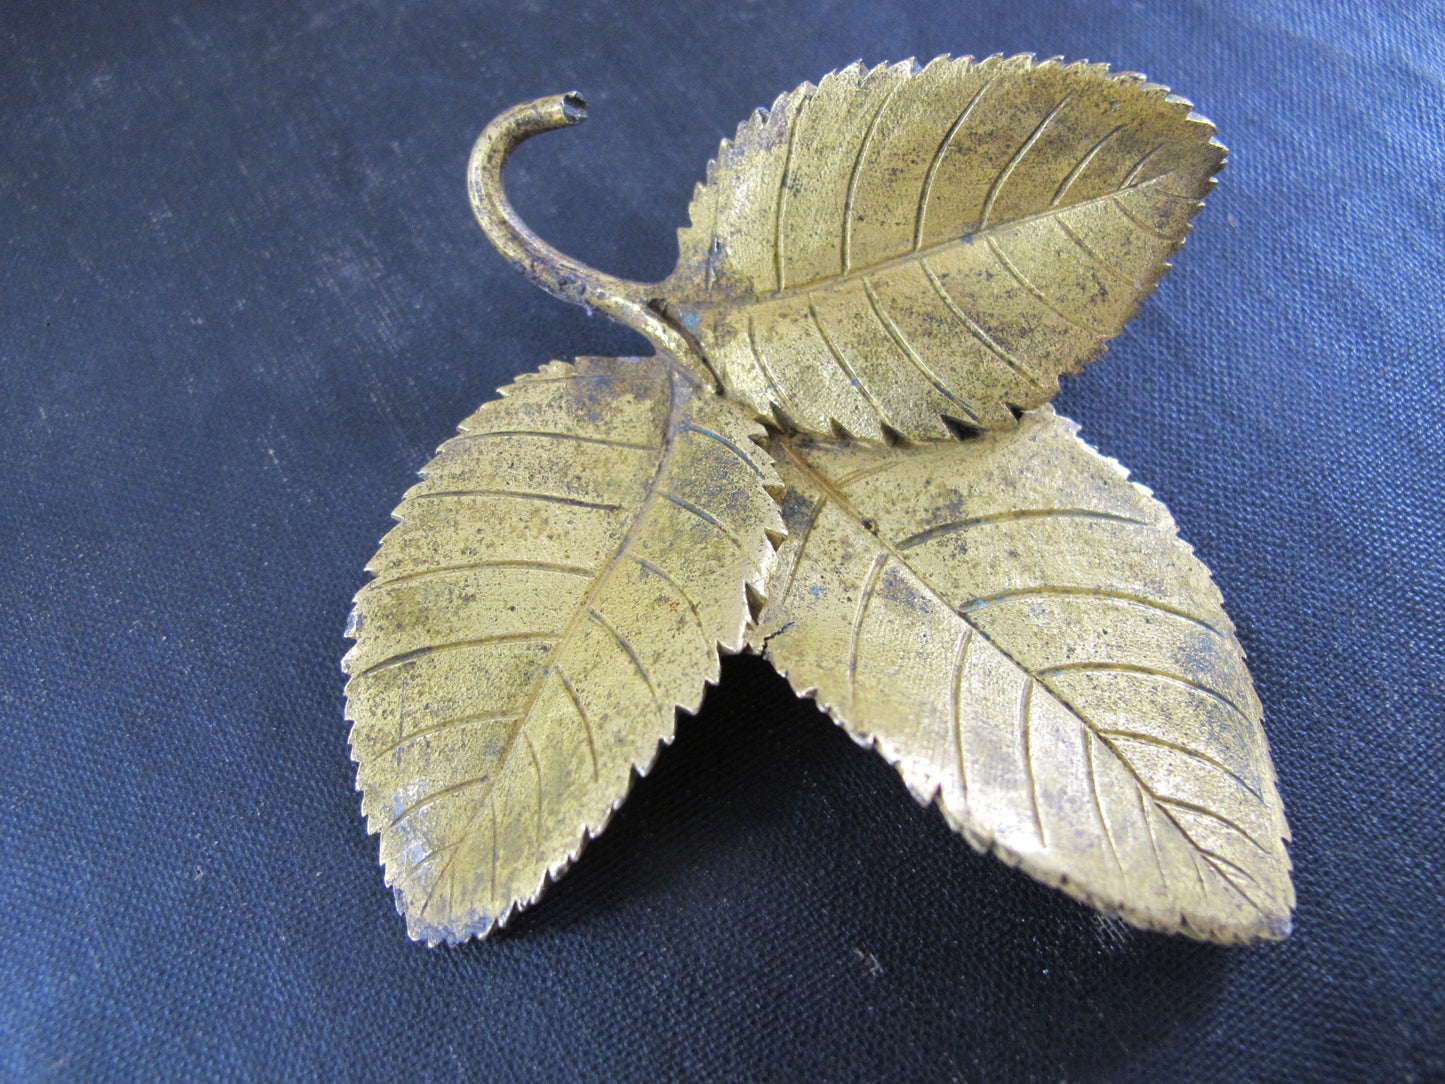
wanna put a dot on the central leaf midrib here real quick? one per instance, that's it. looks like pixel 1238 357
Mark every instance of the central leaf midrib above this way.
pixel 524 712
pixel 855 274
pixel 650 494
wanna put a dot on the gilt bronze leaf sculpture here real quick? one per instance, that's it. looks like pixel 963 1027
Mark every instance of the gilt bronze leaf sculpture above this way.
pixel 841 457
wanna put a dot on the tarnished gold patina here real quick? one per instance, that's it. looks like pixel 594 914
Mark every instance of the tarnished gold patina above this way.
pixel 877 260
pixel 1019 630
pixel 901 244
pixel 557 587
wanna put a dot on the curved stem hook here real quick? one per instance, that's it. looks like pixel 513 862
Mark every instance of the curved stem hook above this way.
pixel 560 275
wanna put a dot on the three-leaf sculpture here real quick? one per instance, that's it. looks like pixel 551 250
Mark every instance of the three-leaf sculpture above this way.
pixel 875 266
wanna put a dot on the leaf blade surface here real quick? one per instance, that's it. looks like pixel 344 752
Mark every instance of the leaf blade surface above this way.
pixel 899 244
pixel 557 586
pixel 1019 630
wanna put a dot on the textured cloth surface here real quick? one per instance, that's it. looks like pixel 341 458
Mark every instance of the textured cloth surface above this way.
pixel 242 298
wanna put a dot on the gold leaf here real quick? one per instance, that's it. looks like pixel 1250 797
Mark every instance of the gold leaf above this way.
pixel 557 586
pixel 1019 630
pixel 899 244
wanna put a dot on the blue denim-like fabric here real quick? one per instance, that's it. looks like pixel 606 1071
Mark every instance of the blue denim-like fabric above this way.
pixel 242 298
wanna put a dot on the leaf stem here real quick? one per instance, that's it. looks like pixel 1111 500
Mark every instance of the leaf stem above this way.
pixel 560 275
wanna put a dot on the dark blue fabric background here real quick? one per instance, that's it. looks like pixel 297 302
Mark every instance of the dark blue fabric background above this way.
pixel 242 298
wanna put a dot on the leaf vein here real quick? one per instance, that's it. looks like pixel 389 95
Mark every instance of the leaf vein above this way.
pixel 526 380
pixel 1211 860
pixel 1214 858
pixel 702 430
pixel 906 259
pixel 530 701
pixel 846 243
pixel 865 598
pixel 925 197
pixel 434 796
pixel 1133 174
pixel 1081 165
pixel 853 378
pixel 581 714
pixel 940 529
pixel 444 725
pixel 900 341
pixel 866 472
pixel 384 580
pixel 1146 671
pixel 1091 592
pixel 691 605
pixel 1148 814
pixel 956 706
pixel 435 852
pixel 1164 743
pixel 803 539
pixel 977 331
pixel 707 517
pixel 1132 217
pixel 779 395
pixel 1084 247
pixel 551 497
pixel 554 434
pixel 631 654
pixel 780 208
pixel 1023 280
pixel 1089 740
pixel 1203 811
pixel 1026 710
pixel 432 649
pixel 1007 170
